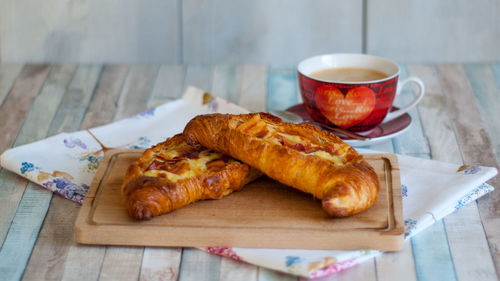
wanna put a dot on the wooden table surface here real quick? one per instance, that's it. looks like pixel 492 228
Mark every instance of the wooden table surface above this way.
pixel 457 122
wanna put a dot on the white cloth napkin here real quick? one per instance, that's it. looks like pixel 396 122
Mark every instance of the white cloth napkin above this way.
pixel 66 163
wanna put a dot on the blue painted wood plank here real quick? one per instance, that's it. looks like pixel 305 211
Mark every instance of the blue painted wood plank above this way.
pixel 282 88
pixel 413 141
pixel 57 229
pixel 485 82
pixel 34 203
pixel 75 102
pixel 198 265
pixel 227 82
pixel 12 113
pixel 496 71
pixel 432 255
pixel 199 76
pixel 23 232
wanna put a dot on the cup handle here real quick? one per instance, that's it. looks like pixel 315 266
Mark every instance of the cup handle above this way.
pixel 419 95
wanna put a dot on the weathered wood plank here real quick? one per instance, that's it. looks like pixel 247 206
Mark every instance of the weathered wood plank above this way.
pixel 121 263
pixel 468 245
pixel 198 265
pixel 136 91
pixel 104 102
pixel 56 235
pixel 282 83
pixel 75 103
pixel 486 91
pixel 160 264
pixel 199 76
pixel 475 146
pixel 432 258
pixel 85 262
pixel 254 87
pixel 17 104
pixel 413 141
pixel 496 71
pixel 12 112
pixel 467 242
pixel 8 75
pixel 391 266
pixel 271 275
pixel 227 82
pixel 124 263
pixel 164 263
pixel 231 270
pixel 34 203
pixel 168 84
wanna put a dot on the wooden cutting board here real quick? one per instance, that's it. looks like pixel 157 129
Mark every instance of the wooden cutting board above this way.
pixel 264 214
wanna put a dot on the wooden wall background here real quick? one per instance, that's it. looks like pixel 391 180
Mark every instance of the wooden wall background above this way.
pixel 276 32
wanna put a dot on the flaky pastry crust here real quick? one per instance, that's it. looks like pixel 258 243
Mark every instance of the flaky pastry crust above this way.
pixel 299 155
pixel 173 174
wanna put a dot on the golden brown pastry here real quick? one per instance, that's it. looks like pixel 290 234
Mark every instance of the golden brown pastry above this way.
pixel 173 174
pixel 299 155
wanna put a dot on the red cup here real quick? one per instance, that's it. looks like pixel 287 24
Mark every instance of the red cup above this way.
pixel 355 106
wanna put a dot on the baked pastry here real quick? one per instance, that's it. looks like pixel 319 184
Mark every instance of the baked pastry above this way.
pixel 173 174
pixel 299 155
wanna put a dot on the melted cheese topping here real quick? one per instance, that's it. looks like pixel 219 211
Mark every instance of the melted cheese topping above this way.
pixel 327 156
pixel 196 166
pixel 273 131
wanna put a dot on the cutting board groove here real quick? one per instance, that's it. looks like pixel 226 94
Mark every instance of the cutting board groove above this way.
pixel 264 214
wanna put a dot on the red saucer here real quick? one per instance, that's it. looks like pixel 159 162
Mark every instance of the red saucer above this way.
pixel 382 131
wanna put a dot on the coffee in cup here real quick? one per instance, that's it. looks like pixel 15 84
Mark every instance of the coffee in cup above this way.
pixel 352 91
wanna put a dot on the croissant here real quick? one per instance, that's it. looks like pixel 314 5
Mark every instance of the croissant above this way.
pixel 173 174
pixel 299 155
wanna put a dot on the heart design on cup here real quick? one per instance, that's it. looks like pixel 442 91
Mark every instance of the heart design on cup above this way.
pixel 345 111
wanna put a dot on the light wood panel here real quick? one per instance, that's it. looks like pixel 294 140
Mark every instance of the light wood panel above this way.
pixel 271 32
pixel 90 31
pixel 434 31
